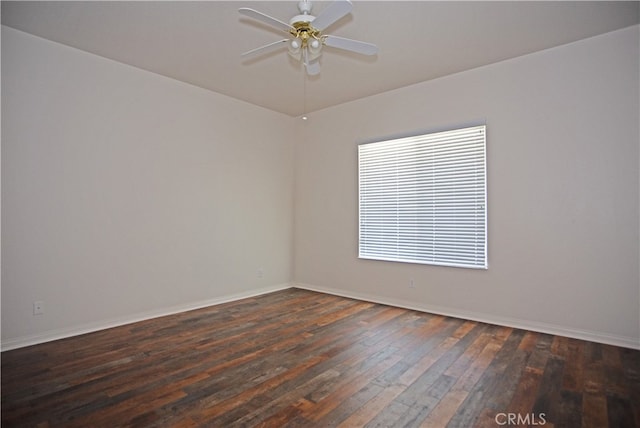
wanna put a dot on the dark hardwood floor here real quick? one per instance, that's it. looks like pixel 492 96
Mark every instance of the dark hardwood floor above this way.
pixel 297 358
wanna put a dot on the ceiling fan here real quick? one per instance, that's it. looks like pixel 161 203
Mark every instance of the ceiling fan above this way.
pixel 307 39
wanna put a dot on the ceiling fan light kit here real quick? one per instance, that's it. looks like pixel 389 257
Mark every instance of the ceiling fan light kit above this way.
pixel 306 32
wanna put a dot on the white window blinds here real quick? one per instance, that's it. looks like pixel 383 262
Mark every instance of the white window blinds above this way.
pixel 423 199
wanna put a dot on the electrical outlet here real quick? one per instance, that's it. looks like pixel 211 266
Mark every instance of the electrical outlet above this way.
pixel 260 272
pixel 412 283
pixel 38 307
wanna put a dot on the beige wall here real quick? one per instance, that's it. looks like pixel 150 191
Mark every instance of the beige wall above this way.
pixel 562 154
pixel 127 195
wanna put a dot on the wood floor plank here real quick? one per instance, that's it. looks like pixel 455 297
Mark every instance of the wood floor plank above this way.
pixel 594 410
pixel 619 412
pixel 573 378
pixel 475 366
pixel 490 384
pixel 297 358
pixel 548 395
pixel 445 409
pixel 373 407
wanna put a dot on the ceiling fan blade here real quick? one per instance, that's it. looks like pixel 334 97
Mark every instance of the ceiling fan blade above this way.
pixel 312 67
pixel 351 45
pixel 331 14
pixel 276 23
pixel 266 48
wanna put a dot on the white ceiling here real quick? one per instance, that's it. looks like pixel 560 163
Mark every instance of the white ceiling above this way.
pixel 200 42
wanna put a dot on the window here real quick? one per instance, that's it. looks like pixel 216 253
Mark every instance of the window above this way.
pixel 423 199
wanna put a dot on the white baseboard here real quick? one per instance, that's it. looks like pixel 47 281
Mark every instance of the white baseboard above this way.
pixel 51 335
pixel 627 342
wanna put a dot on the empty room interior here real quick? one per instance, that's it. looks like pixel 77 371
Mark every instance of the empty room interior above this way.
pixel 331 213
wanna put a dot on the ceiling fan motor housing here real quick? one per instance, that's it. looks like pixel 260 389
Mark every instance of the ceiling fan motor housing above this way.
pixel 306 36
